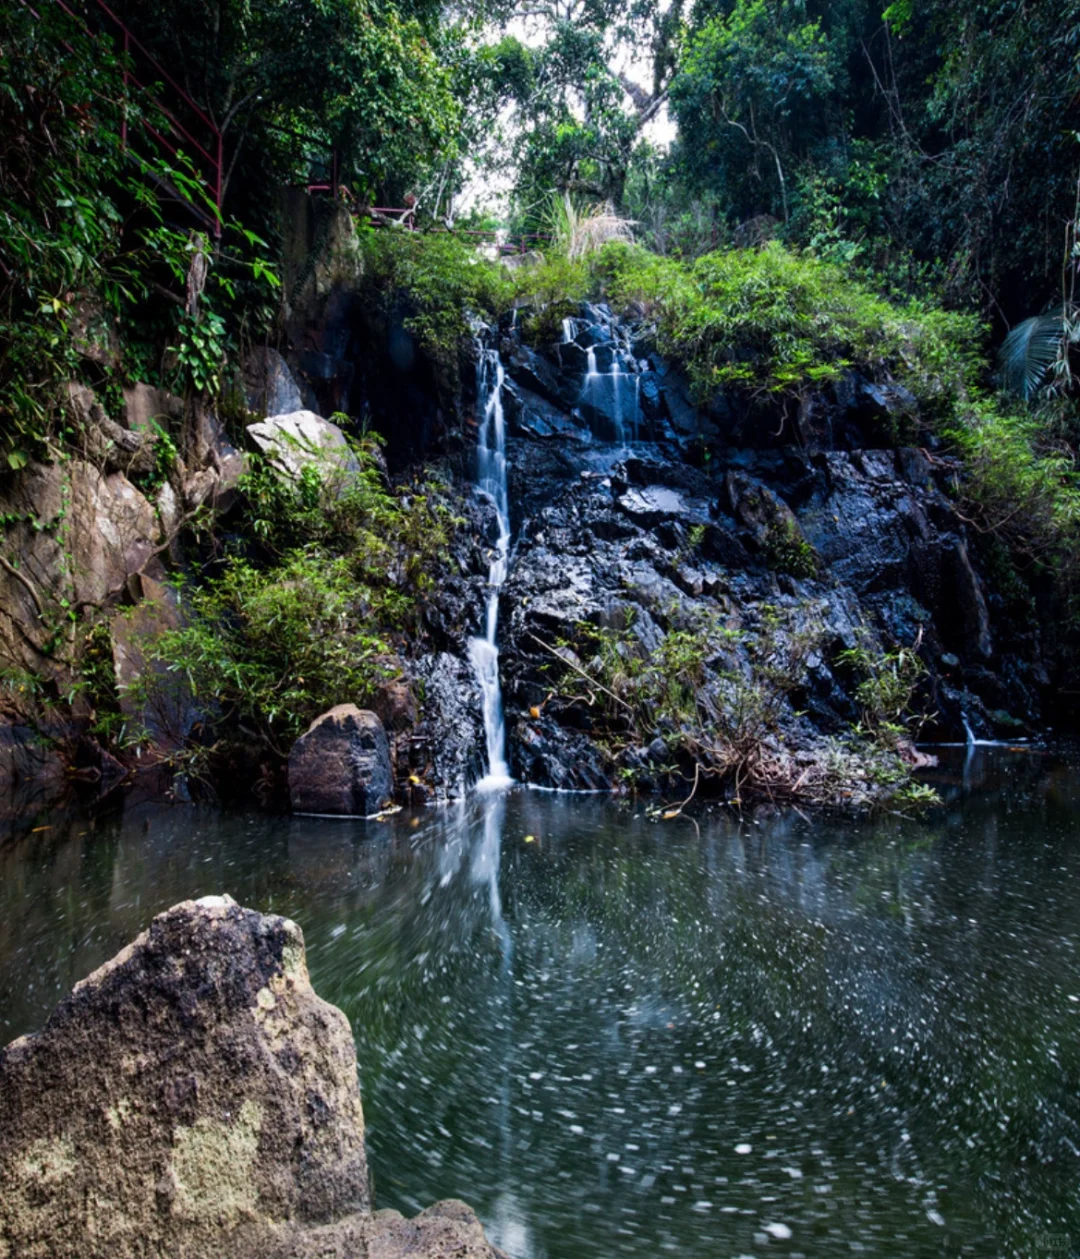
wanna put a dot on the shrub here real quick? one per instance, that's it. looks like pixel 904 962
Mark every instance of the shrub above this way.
pixel 309 617
pixel 721 700
pixel 549 293
pixel 1017 485
pixel 774 321
pixel 269 649
pixel 886 689
pixel 787 551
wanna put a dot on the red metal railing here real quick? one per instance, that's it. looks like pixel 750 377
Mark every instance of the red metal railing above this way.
pixel 210 165
pixel 406 217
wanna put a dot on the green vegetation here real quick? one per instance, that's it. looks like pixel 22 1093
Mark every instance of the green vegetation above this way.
pixel 886 691
pixel 847 190
pixel 436 283
pixel 787 551
pixel 721 700
pixel 314 614
pixel 769 320
pixel 932 146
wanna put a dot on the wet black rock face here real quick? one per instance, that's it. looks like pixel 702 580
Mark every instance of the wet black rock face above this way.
pixel 634 508
pixel 631 506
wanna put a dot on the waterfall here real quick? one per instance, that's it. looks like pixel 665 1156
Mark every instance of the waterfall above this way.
pixel 594 388
pixel 616 402
pixel 491 481
pixel 591 374
pixel 606 392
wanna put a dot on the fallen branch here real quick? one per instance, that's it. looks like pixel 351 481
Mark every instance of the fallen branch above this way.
pixel 581 672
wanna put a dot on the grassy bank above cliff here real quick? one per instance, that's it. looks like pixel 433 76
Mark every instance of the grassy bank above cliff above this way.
pixel 770 326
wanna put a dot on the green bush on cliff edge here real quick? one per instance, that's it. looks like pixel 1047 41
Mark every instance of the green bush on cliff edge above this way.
pixel 312 605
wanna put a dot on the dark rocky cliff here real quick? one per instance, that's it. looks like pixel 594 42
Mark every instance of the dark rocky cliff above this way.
pixel 802 536
pixel 634 510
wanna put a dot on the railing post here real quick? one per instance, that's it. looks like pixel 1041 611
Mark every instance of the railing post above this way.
pixel 334 174
pixel 218 189
pixel 127 58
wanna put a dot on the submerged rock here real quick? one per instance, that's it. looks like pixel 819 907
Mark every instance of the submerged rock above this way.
pixel 342 764
pixel 192 1097
pixel 447 1230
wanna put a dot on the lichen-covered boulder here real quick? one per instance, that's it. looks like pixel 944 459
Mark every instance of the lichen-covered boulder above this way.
pixel 194 1097
pixel 193 1093
pixel 341 764
pixel 302 440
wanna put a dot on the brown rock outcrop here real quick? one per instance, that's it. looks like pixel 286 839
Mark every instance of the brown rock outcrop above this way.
pixel 341 764
pixel 75 536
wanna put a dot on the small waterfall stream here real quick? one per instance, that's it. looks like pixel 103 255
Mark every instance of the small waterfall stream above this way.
pixel 607 391
pixel 491 480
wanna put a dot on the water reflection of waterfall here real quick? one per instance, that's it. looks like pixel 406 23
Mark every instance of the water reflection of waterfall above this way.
pixel 485 870
pixel 491 481
pixel 507 1222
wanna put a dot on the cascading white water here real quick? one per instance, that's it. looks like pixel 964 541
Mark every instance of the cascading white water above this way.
pixel 491 480
pixel 616 399
pixel 591 374
pixel 595 391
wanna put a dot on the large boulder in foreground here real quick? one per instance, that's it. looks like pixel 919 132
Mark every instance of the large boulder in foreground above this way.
pixel 342 764
pixel 194 1097
pixel 193 1088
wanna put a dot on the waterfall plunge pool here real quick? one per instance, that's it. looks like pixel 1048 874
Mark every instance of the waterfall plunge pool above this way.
pixel 707 1038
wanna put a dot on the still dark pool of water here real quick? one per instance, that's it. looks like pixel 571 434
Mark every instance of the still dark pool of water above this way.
pixel 613 1037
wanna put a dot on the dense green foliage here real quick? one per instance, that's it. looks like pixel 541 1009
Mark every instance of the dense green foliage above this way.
pixel 62 177
pixel 308 611
pixel 846 189
pixel 784 322
pixel 101 218
pixel 289 81
pixel 933 145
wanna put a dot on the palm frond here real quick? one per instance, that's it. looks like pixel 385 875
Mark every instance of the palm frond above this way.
pixel 1030 350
